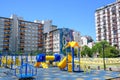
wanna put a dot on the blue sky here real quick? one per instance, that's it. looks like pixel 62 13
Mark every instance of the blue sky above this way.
pixel 74 14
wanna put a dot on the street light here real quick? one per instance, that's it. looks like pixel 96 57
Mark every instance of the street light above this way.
pixel 104 56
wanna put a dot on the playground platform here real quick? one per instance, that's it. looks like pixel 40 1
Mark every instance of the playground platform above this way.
pixel 56 74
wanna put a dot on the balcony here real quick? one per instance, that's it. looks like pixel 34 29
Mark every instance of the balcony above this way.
pixel 40 26
pixel 7 22
pixel 21 47
pixel 51 41
pixel 51 37
pixel 6 38
pixel 40 45
pixel 6 34
pixel 5 47
pixel 22 25
pixel 22 29
pixel 6 26
pixel 6 42
pixel 39 30
pixel 40 40
pixel 22 32
pixel 6 30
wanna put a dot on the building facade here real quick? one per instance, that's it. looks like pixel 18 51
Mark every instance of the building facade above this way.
pixel 17 34
pixel 47 25
pixel 77 37
pixel 87 40
pixel 108 23
pixel 55 40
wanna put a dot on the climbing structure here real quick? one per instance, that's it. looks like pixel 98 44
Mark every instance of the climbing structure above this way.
pixel 69 61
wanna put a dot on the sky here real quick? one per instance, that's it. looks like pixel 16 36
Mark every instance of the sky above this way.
pixel 74 14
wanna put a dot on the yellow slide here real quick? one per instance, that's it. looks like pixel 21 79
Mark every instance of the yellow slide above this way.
pixel 44 65
pixel 63 63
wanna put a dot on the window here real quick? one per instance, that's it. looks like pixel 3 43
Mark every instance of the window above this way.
pixel 103 11
pixel 114 32
pixel 113 10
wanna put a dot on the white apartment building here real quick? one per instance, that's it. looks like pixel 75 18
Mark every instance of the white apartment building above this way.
pixel 56 41
pixel 47 25
pixel 52 41
pixel 108 23
pixel 84 41
pixel 77 37
pixel 87 40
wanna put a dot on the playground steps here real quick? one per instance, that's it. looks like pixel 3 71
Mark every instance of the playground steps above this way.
pixel 44 65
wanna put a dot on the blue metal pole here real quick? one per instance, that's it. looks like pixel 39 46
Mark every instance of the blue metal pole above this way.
pixel 6 60
pixel 79 57
pixel 26 64
pixel 72 59
pixel 12 63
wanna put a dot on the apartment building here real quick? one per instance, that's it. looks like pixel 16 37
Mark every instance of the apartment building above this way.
pixel 87 40
pixel 55 40
pixel 108 23
pixel 47 25
pixel 17 34
pixel 5 33
pixel 77 37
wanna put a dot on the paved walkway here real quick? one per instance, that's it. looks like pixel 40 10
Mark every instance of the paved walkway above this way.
pixel 56 74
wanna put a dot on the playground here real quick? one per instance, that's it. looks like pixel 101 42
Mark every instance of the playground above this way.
pixel 54 73
pixel 55 67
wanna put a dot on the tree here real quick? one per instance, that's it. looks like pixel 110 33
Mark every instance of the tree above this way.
pixel 97 48
pixel 86 51
pixel 37 52
pixel 76 51
pixel 18 52
pixel 110 51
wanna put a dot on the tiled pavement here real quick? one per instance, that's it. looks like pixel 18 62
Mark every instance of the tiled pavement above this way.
pixel 56 74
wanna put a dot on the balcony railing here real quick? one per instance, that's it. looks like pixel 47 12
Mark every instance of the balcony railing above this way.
pixel 22 25
pixel 5 47
pixel 6 30
pixel 7 22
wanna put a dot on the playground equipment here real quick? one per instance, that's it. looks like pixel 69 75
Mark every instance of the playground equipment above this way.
pixel 18 66
pixel 25 70
pixel 9 61
pixel 42 58
pixel 69 61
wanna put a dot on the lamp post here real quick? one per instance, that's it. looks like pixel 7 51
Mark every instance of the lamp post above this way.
pixel 104 56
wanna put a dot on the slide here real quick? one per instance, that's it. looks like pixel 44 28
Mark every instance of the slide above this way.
pixel 37 64
pixel 63 63
pixel 44 65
